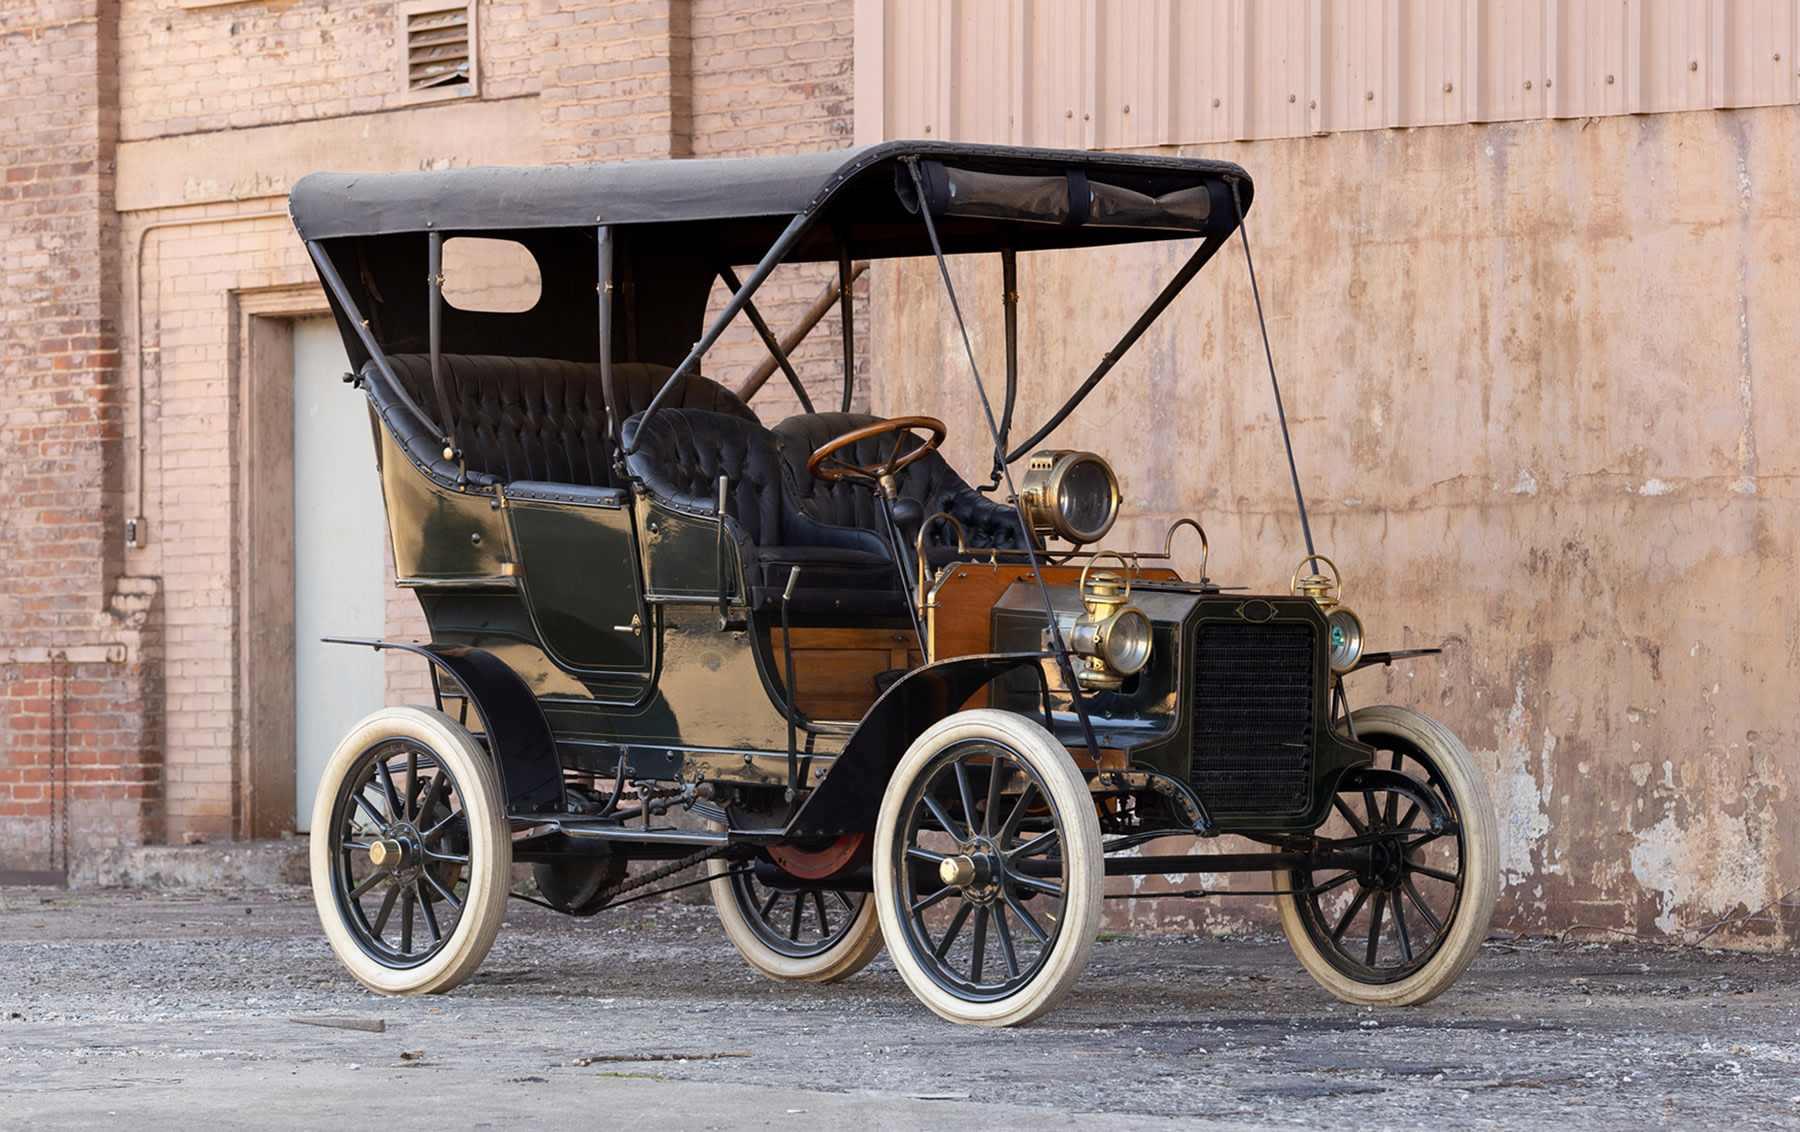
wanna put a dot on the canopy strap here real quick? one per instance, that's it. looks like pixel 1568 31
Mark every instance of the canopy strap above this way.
pixel 1188 270
pixel 1280 413
pixel 1057 644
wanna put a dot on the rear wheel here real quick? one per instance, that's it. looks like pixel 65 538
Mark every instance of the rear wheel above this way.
pixel 988 869
pixel 791 934
pixel 411 855
pixel 1402 912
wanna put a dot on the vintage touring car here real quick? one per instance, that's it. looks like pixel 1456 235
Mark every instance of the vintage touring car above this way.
pixel 879 704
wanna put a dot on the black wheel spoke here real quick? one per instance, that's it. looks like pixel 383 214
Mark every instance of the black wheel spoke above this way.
pixel 381 820
pixel 449 897
pixel 920 905
pixel 408 897
pixel 978 943
pixel 431 923
pixel 966 791
pixel 1343 923
pixel 793 933
pixel 387 907
pixel 396 812
pixel 1037 885
pixel 446 858
pixel 768 905
pixel 412 782
pixel 1375 926
pixel 1400 935
pixel 949 826
pixel 818 902
pixel 368 882
pixel 1436 874
pixel 995 778
pixel 1418 902
pixel 1026 918
pixel 1017 815
pixel 1036 847
pixel 914 853
pixel 950 932
pixel 1412 811
pixel 439 783
pixel 1335 882
pixel 1006 943
pixel 1356 823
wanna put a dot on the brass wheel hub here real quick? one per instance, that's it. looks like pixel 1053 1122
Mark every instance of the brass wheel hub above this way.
pixel 976 870
pixel 400 851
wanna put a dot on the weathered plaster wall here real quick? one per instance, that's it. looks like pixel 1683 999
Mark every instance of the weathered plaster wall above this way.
pixel 1540 378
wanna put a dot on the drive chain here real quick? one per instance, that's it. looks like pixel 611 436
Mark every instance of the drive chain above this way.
pixel 606 896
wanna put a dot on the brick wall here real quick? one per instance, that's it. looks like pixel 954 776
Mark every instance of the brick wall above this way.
pixel 78 750
pixel 122 679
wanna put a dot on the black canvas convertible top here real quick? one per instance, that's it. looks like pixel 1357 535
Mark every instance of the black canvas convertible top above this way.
pixel 853 185
pixel 667 230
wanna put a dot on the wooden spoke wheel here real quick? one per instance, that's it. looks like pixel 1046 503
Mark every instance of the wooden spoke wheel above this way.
pixel 1402 910
pixel 794 934
pixel 411 854
pixel 988 869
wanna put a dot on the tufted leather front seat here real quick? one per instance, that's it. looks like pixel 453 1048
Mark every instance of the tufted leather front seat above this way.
pixel 527 419
pixel 930 483
pixel 843 569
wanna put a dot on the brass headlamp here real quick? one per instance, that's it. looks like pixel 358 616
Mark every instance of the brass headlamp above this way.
pixel 1344 627
pixel 1111 636
pixel 1072 495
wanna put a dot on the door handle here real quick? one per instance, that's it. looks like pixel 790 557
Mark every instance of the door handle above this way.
pixel 636 628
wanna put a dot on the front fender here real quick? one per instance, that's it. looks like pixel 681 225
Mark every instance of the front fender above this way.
pixel 518 735
pixel 850 797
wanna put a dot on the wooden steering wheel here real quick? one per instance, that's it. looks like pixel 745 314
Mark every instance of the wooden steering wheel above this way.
pixel 827 465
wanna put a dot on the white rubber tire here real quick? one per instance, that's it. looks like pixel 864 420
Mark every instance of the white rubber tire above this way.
pixel 489 872
pixel 1084 887
pixel 1462 937
pixel 851 953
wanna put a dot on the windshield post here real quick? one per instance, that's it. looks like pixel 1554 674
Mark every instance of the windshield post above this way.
pixel 434 279
pixel 1009 288
pixel 603 290
pixel 844 305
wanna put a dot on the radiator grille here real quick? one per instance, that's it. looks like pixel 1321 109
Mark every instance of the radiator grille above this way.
pixel 1253 717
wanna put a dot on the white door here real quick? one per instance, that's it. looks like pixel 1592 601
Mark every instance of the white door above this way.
pixel 340 574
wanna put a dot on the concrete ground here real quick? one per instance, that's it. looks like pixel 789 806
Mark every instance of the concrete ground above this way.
pixel 192 1009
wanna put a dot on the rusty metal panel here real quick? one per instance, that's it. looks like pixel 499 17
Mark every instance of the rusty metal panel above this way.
pixel 1127 74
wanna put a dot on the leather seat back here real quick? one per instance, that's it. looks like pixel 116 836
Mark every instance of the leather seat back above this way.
pixel 931 482
pixel 534 419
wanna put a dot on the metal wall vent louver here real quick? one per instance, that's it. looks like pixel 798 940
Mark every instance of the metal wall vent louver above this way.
pixel 440 49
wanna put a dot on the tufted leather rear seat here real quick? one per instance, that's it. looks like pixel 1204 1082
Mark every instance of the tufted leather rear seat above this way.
pixel 930 483
pixel 842 569
pixel 527 419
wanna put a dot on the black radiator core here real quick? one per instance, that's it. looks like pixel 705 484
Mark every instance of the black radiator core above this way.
pixel 1253 717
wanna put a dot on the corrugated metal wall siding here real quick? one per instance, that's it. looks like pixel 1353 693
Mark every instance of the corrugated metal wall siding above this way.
pixel 1120 74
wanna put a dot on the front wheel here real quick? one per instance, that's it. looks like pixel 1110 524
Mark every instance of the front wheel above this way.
pixel 988 869
pixel 1399 911
pixel 411 854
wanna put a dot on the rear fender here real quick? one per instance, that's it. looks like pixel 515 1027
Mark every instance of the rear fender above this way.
pixel 518 735
pixel 850 797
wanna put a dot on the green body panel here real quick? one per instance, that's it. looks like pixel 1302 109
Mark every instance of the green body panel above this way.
pixel 682 554
pixel 438 533
pixel 578 574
